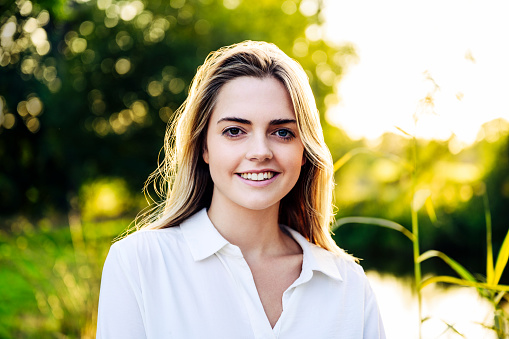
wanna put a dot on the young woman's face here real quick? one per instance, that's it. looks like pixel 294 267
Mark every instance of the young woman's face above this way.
pixel 253 146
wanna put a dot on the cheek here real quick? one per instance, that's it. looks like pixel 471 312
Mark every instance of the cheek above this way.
pixel 301 155
pixel 216 155
pixel 295 160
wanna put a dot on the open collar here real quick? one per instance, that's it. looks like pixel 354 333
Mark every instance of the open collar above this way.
pixel 201 236
pixel 316 258
pixel 204 240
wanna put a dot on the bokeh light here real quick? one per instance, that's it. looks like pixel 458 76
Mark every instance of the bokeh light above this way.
pixel 123 66
pixel 289 7
pixel 105 197
pixel 308 7
pixel 34 106
pixel 155 88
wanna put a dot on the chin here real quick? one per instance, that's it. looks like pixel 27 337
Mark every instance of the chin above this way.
pixel 259 206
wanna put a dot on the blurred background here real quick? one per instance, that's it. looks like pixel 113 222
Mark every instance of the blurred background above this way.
pixel 413 99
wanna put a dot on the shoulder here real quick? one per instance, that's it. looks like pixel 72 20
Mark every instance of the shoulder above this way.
pixel 145 244
pixel 348 268
pixel 144 236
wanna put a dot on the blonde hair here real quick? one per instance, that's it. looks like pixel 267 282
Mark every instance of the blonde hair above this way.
pixel 182 178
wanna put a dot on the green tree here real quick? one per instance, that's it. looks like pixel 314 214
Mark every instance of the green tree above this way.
pixel 86 87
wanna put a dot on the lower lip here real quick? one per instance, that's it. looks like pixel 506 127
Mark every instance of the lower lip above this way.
pixel 261 183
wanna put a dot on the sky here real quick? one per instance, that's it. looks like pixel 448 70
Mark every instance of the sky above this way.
pixel 453 51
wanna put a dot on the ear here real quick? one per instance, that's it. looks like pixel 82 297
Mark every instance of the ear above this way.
pixel 303 159
pixel 205 154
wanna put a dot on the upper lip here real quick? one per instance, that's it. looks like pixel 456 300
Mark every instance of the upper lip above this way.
pixel 258 171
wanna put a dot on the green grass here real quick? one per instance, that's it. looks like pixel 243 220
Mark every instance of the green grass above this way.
pixel 50 277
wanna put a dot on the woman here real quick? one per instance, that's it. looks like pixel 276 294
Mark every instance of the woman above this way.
pixel 240 248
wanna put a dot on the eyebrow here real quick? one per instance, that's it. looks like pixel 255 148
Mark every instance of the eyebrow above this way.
pixel 247 122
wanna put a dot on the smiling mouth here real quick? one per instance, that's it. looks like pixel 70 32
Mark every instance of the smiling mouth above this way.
pixel 257 176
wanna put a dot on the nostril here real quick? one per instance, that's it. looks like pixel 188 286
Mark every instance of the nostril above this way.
pixel 260 155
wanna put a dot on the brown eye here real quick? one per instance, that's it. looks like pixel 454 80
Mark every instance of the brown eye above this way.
pixel 232 132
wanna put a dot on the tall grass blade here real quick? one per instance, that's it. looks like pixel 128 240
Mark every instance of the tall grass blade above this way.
pixel 457 267
pixel 499 297
pixel 349 155
pixel 361 150
pixel 463 282
pixel 490 272
pixel 449 327
pixel 430 209
pixel 452 328
pixel 503 256
pixel 404 132
pixel 374 221
pixel 415 233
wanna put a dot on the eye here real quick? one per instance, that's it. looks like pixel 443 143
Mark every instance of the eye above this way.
pixel 232 132
pixel 282 133
pixel 285 134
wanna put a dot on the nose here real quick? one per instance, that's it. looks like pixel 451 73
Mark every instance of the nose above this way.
pixel 259 149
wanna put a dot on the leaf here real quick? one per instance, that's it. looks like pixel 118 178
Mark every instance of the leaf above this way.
pixel 452 328
pixel 375 221
pixel 420 198
pixel 463 282
pixel 503 256
pixel 403 131
pixel 361 150
pixel 499 297
pixel 430 209
pixel 349 155
pixel 490 272
pixel 457 267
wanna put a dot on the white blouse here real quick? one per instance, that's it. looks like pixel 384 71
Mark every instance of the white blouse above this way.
pixel 189 282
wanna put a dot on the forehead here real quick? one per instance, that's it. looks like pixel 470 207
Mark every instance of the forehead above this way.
pixel 254 97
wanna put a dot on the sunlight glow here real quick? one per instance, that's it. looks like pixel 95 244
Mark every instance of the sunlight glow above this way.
pixel 455 53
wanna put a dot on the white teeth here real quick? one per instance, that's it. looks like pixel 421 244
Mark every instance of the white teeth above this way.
pixel 257 176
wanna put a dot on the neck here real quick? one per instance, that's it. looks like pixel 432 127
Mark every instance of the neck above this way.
pixel 255 232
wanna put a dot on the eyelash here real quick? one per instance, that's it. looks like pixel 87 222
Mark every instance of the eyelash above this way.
pixel 228 133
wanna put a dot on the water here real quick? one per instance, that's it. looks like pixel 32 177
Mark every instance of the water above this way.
pixel 460 307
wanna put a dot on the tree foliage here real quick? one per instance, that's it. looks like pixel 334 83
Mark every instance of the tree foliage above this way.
pixel 86 87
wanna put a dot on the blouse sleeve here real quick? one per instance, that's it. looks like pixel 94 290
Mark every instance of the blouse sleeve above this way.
pixel 373 326
pixel 120 302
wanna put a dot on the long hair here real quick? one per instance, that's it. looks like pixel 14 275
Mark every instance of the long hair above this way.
pixel 183 180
